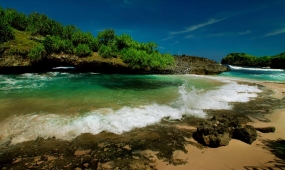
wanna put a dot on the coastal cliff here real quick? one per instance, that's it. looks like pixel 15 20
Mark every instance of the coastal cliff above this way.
pixel 27 45
pixel 197 65
pixel 182 65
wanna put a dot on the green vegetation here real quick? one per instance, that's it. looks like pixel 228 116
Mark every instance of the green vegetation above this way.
pixel 36 35
pixel 36 52
pixel 6 32
pixel 82 50
pixel 21 43
pixel 242 59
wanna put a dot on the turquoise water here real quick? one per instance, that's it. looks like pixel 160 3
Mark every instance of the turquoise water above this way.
pixel 66 105
pixel 275 75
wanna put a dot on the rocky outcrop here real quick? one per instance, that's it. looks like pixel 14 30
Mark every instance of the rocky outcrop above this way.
pixel 19 64
pixel 14 61
pixel 210 134
pixel 196 65
pixel 219 130
pixel 183 64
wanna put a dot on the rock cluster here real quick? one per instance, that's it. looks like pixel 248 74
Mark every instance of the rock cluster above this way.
pixel 219 130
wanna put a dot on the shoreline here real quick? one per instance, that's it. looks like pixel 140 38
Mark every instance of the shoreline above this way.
pixel 239 155
pixel 168 145
pixel 236 155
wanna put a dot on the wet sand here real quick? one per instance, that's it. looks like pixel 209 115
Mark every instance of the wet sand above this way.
pixel 239 155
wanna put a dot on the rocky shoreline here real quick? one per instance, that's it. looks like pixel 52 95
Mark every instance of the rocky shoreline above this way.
pixel 183 65
pixel 142 148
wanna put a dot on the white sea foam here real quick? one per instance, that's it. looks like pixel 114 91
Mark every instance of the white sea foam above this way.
pixel 192 102
pixel 30 80
pixel 254 69
pixel 29 127
pixel 63 68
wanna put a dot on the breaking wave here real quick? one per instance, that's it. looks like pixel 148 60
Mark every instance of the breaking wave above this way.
pixel 191 102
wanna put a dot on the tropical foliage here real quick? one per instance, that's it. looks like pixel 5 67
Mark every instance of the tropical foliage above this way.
pixel 37 52
pixel 6 32
pixel 57 38
pixel 82 50
pixel 242 59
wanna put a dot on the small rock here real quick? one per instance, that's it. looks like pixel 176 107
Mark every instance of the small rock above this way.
pixel 246 134
pixel 266 129
pixel 86 165
pixel 127 147
pixel 40 162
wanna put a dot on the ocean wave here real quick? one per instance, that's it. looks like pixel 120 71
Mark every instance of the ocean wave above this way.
pixel 191 102
pixel 30 80
pixel 254 69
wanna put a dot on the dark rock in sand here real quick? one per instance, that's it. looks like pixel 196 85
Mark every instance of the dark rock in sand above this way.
pixel 219 130
pixel 246 134
pixel 268 129
pixel 212 134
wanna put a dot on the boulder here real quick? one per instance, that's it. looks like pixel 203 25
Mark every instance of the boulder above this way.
pixel 219 130
pixel 269 129
pixel 246 134
pixel 212 135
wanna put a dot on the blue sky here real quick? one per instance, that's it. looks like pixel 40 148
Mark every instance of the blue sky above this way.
pixel 205 28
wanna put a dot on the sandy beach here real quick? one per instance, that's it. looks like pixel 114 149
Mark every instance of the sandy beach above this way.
pixel 239 155
pixel 167 145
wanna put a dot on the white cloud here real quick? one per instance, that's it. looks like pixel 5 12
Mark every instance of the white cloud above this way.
pixel 243 33
pixel 167 38
pixel 195 27
pixel 176 42
pixel 217 35
pixel 276 32
pixel 230 34
pixel 189 36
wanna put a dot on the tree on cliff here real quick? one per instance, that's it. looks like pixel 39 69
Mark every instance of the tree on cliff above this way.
pixel 56 38
pixel 6 32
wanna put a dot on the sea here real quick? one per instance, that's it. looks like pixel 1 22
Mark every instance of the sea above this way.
pixel 65 104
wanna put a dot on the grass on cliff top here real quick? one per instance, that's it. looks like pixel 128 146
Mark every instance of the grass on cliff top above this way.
pixel 95 57
pixel 22 42
pixel 22 45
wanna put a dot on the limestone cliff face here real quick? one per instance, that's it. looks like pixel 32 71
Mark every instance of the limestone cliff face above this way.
pixel 183 65
pixel 196 65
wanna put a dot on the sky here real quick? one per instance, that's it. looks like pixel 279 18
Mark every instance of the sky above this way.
pixel 205 28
